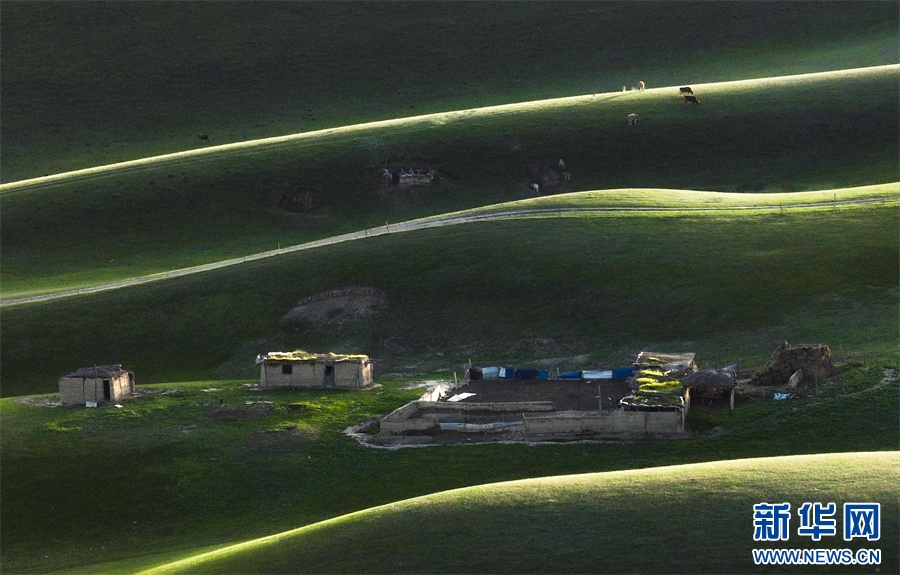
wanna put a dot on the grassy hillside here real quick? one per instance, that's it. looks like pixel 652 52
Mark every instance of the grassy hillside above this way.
pixel 688 519
pixel 784 134
pixel 89 83
pixel 115 490
pixel 729 285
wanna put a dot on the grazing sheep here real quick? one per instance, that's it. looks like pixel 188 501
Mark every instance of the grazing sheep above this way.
pixel 536 188
pixel 685 90
pixel 691 99
pixel 633 119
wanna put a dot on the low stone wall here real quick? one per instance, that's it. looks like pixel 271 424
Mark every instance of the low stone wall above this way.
pixel 424 416
pixel 611 422
pixel 539 417
pixel 814 360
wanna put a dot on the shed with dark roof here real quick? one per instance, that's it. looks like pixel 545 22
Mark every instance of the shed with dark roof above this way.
pixel 711 384
pixel 98 384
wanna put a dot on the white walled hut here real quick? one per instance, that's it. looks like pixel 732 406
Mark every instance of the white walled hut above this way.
pixel 314 370
pixel 99 384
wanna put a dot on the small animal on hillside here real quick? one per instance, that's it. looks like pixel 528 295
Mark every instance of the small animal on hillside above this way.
pixel 203 137
pixel 641 86
pixel 633 119
pixel 691 100
pixel 685 90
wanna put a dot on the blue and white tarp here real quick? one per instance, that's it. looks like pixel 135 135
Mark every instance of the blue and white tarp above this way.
pixel 490 372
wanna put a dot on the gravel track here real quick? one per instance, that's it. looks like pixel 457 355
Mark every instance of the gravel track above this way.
pixel 418 224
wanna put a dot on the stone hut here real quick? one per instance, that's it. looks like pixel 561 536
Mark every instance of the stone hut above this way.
pixel 814 360
pixel 100 384
pixel 314 370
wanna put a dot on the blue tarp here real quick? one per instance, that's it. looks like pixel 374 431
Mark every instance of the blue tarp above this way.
pixel 570 375
pixel 543 374
pixel 490 372
pixel 623 372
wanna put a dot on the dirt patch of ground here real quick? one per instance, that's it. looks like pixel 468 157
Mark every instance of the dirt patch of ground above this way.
pixel 275 442
pixel 46 400
pixel 253 411
pixel 337 308
pixel 566 395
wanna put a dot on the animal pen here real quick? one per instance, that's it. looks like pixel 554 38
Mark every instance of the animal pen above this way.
pixel 505 404
pixel 99 384
pixel 314 370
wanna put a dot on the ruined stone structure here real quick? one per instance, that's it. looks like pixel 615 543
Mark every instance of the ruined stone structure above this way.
pixel 814 360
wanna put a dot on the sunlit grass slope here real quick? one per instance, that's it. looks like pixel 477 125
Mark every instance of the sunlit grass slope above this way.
pixel 210 463
pixel 684 519
pixel 91 83
pixel 729 285
pixel 789 134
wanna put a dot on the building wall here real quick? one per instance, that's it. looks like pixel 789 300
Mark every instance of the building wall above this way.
pixel 615 422
pixel 73 390
pixel 418 417
pixel 347 374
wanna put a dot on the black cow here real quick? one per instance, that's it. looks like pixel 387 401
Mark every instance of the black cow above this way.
pixel 691 99
pixel 685 90
pixel 203 137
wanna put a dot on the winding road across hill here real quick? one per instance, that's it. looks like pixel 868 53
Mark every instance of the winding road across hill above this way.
pixel 419 224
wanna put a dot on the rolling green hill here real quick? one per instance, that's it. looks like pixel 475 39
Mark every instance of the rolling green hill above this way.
pixel 768 212
pixel 688 519
pixel 210 463
pixel 90 83
pixel 728 284
pixel 783 134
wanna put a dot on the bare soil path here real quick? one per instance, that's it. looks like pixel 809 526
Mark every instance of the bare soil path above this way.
pixel 411 225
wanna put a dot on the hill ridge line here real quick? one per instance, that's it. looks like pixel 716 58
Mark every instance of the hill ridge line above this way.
pixel 728 463
pixel 224 149
pixel 443 220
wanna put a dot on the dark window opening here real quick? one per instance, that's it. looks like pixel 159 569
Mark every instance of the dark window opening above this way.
pixel 287 368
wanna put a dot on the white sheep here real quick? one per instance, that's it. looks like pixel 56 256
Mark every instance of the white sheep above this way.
pixel 633 119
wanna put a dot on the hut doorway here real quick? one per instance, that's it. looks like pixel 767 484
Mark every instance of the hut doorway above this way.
pixel 106 391
pixel 329 376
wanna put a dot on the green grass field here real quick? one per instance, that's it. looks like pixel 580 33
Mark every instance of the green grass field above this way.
pixel 643 521
pixel 783 135
pixel 517 290
pixel 169 474
pixel 769 212
pixel 86 84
